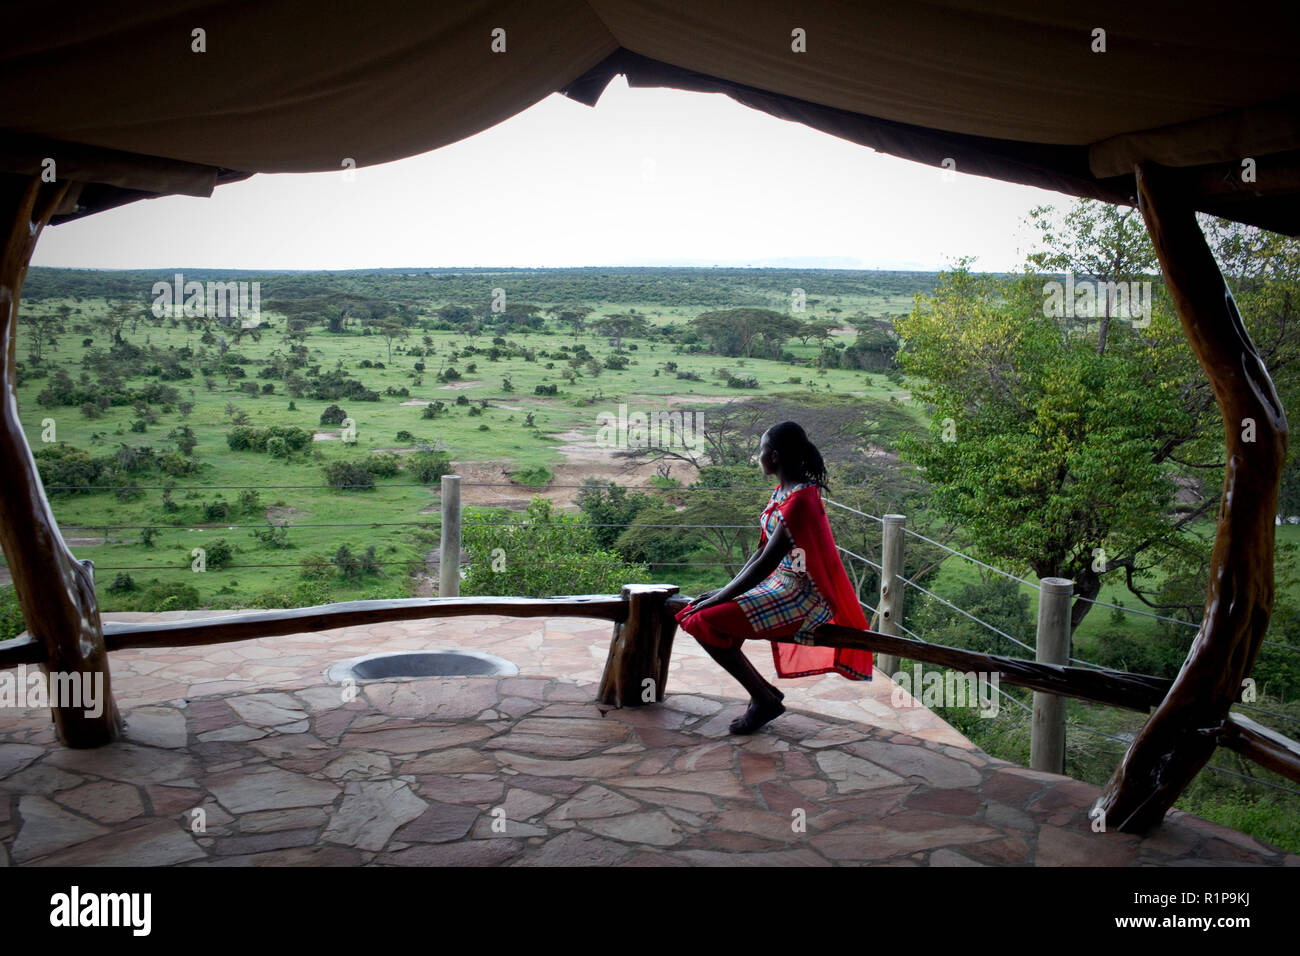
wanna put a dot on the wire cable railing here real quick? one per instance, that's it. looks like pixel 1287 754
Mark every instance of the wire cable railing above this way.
pixel 985 624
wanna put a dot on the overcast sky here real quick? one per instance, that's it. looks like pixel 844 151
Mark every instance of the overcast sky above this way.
pixel 647 177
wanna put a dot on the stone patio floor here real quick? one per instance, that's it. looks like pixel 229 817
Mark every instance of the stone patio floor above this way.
pixel 245 753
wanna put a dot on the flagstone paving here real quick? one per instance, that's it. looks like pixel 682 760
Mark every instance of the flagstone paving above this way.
pixel 245 754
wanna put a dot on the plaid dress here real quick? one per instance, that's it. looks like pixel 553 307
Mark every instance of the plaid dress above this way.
pixel 786 595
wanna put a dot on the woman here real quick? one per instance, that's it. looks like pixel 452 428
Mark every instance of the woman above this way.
pixel 791 585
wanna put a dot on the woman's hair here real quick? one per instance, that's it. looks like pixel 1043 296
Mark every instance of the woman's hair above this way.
pixel 796 455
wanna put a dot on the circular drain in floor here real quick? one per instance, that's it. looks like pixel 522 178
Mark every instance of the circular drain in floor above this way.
pixel 421 664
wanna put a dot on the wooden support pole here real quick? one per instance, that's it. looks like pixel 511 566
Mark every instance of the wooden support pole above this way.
pixel 636 671
pixel 1181 735
pixel 55 590
pixel 891 587
pixel 1047 738
pixel 449 543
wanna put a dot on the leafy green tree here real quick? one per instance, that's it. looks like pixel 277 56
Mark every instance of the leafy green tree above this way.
pixel 1097 240
pixel 549 553
pixel 1048 454
pixel 609 509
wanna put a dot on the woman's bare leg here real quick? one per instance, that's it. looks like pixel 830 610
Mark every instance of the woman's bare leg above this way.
pixel 765 700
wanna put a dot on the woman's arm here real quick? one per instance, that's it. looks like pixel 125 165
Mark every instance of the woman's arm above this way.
pixel 760 566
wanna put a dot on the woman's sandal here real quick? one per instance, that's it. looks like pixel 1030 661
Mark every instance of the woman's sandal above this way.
pixel 757 715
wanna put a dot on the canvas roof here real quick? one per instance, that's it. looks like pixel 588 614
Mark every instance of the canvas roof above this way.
pixel 1005 88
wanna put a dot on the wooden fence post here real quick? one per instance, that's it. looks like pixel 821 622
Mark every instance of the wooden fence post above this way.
pixel 449 545
pixel 891 587
pixel 640 648
pixel 1047 738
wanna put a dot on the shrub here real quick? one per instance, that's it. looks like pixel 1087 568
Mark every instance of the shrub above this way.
pixel 122 584
pixel 272 536
pixel 218 553
pixel 540 475
pixel 248 438
pixel 250 500
pixel 546 390
pixel 384 465
pixel 303 594
pixel 333 415
pixel 316 567
pixel 427 467
pixel 352 566
pixel 549 554
pixel 173 596
pixel 218 510
pixel 346 475
pixel 63 465
pixel 405 436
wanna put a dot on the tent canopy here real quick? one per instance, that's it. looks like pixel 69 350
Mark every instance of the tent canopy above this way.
pixel 1017 90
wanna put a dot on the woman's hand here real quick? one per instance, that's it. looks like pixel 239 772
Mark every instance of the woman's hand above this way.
pixel 702 600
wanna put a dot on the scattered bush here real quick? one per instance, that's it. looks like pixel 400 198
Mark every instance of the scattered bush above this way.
pixel 384 465
pixel 122 584
pixel 427 467
pixel 248 438
pixel 349 476
pixel 537 476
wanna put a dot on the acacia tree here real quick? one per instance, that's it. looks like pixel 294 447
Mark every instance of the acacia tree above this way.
pixel 391 328
pixel 575 317
pixel 1098 240
pixel 620 325
pixel 734 331
pixel 44 328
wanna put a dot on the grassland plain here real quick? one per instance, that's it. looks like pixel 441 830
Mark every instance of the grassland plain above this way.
pixel 505 428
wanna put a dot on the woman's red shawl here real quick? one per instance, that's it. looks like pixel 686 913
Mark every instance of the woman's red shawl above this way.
pixel 805 519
